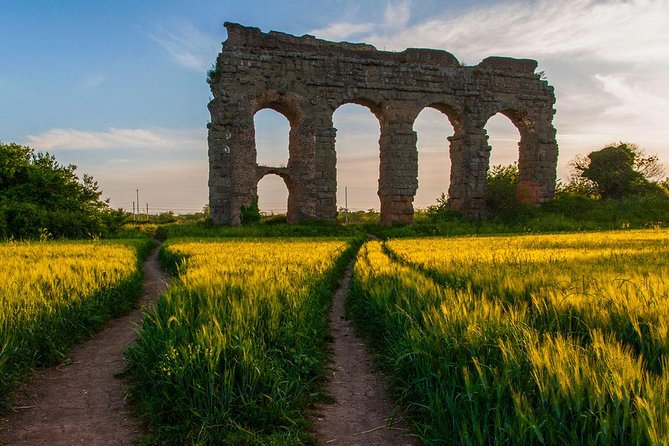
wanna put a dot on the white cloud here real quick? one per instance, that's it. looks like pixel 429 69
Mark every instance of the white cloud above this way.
pixel 396 15
pixel 157 138
pixel 342 30
pixel 189 46
pixel 121 162
pixel 395 18
pixel 615 30
pixel 633 97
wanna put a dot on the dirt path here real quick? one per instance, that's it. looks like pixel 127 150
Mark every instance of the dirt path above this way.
pixel 362 406
pixel 83 403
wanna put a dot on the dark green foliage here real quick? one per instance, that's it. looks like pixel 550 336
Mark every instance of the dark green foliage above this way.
pixel 258 387
pixel 251 214
pixel 576 187
pixel 440 212
pixel 39 197
pixel 270 228
pixel 633 200
pixel 564 213
pixel 213 74
pixel 619 170
pixel 277 219
pixel 369 216
pixel 502 203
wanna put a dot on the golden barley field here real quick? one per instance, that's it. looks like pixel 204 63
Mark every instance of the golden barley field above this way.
pixel 233 352
pixel 542 339
pixel 523 339
pixel 54 294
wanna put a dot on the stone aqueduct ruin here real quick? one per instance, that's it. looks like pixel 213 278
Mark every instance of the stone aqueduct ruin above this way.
pixel 307 79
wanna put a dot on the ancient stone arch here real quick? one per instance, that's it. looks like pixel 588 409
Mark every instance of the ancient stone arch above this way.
pixel 307 79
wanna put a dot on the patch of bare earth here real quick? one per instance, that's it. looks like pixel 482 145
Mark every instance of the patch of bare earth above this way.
pixel 362 409
pixel 84 402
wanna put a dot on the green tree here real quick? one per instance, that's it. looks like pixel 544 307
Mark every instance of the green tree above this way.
pixel 14 163
pixel 501 198
pixel 251 214
pixel 619 170
pixel 39 196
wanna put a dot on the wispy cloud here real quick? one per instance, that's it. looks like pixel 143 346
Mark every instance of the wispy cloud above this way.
pixel 92 82
pixel 156 138
pixel 189 46
pixel 612 30
pixel 628 92
pixel 342 30
pixel 395 17
pixel 637 103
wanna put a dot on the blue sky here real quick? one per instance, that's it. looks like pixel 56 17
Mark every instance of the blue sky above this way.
pixel 118 88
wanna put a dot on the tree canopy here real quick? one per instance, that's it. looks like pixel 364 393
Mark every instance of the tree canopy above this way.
pixel 39 196
pixel 619 179
pixel 619 170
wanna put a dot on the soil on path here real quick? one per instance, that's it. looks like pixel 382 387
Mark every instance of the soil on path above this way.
pixel 361 411
pixel 84 403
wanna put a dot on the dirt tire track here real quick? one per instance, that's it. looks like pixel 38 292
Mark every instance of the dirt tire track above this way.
pixel 362 407
pixel 84 403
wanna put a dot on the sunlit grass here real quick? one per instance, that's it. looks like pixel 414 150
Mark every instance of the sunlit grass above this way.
pixel 555 339
pixel 55 293
pixel 234 349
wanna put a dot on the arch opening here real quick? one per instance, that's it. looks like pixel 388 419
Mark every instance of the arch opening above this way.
pixel 273 194
pixel 433 126
pixel 358 156
pixel 512 140
pixel 272 130
pixel 368 104
pixel 504 138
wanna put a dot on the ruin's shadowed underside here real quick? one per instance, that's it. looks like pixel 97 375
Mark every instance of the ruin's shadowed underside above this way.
pixel 307 79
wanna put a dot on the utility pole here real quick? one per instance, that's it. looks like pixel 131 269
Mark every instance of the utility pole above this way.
pixel 138 205
pixel 147 211
pixel 134 216
pixel 346 204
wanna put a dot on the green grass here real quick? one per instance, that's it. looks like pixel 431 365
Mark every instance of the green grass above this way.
pixel 525 339
pixel 208 229
pixel 55 294
pixel 234 351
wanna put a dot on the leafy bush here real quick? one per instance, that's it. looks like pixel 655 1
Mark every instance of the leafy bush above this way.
pixel 39 196
pixel 440 212
pixel 251 214
pixel 353 217
pixel 619 170
pixel 502 203
pixel 207 229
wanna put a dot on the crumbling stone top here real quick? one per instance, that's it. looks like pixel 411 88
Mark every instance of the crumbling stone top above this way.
pixel 240 36
pixel 245 37
pixel 509 64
